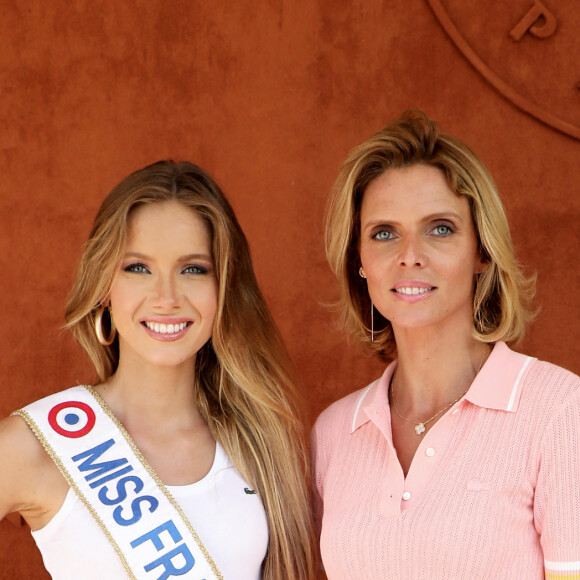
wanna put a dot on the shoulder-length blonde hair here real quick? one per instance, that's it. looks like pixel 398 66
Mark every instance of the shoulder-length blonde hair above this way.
pixel 502 295
pixel 243 386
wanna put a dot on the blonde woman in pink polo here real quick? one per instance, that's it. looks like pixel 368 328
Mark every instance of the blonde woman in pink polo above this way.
pixel 463 459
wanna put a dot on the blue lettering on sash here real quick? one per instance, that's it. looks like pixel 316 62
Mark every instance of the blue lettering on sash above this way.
pixel 107 471
pixel 101 468
pixel 121 490
pixel 170 569
pixel 178 560
pixel 135 509
pixel 110 476
pixel 167 562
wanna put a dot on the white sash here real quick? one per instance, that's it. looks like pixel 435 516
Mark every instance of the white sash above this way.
pixel 145 525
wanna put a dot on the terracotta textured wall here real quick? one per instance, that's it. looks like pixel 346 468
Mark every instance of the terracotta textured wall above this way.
pixel 269 97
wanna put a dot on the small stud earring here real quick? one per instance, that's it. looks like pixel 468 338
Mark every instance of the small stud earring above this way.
pixel 361 272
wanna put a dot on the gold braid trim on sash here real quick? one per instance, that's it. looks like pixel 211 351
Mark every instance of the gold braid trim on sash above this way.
pixel 159 483
pixel 73 485
pixel 147 467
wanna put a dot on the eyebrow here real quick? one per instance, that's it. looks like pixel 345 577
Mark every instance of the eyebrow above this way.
pixel 186 258
pixel 426 219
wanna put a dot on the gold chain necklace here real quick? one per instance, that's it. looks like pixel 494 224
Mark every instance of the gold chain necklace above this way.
pixel 420 426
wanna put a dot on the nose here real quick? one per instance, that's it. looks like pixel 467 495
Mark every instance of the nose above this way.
pixel 166 295
pixel 411 252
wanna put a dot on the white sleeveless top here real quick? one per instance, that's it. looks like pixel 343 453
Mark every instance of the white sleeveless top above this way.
pixel 229 519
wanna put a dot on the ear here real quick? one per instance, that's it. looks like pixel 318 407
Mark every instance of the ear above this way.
pixel 480 266
pixel 106 303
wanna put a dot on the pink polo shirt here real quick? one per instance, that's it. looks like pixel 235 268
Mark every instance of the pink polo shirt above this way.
pixel 493 490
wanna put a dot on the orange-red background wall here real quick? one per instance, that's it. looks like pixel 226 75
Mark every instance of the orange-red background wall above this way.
pixel 268 96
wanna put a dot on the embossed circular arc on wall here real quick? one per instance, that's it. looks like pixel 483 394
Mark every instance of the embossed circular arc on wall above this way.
pixel 542 29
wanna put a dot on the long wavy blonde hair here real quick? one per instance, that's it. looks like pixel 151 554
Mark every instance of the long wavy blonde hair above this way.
pixel 243 385
pixel 502 294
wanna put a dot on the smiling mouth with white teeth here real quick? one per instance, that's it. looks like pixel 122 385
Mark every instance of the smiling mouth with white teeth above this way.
pixel 166 328
pixel 412 291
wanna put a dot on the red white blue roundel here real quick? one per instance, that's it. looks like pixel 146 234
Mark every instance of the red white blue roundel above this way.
pixel 72 419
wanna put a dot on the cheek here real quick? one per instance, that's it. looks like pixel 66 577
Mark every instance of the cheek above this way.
pixel 206 301
pixel 121 295
pixel 118 299
pixel 374 259
pixel 365 252
pixel 210 308
pixel 125 300
pixel 461 280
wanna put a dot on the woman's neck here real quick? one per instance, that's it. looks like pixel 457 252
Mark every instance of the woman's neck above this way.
pixel 433 369
pixel 152 394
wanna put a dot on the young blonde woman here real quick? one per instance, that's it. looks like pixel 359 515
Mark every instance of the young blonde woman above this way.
pixel 463 459
pixel 186 458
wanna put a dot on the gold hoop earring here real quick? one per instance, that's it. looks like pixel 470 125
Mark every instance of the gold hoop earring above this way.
pixel 99 327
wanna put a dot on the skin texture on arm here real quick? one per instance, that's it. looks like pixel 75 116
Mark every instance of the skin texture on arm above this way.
pixel 30 483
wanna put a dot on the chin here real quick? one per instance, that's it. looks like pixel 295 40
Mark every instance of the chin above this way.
pixel 165 361
pixel 415 322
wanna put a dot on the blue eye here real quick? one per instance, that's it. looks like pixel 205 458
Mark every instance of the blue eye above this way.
pixel 442 230
pixel 383 235
pixel 136 268
pixel 194 269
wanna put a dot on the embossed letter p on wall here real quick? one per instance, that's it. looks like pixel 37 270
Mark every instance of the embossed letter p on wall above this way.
pixel 528 50
pixel 538 21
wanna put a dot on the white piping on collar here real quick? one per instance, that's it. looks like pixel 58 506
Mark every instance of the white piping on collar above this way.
pixel 357 408
pixel 511 402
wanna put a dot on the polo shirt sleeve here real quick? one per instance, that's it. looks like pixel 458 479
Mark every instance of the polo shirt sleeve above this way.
pixel 557 498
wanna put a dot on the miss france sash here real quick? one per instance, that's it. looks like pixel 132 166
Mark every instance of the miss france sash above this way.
pixel 143 522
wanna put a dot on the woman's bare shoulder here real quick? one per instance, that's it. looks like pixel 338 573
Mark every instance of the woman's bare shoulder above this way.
pixel 19 447
pixel 30 483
